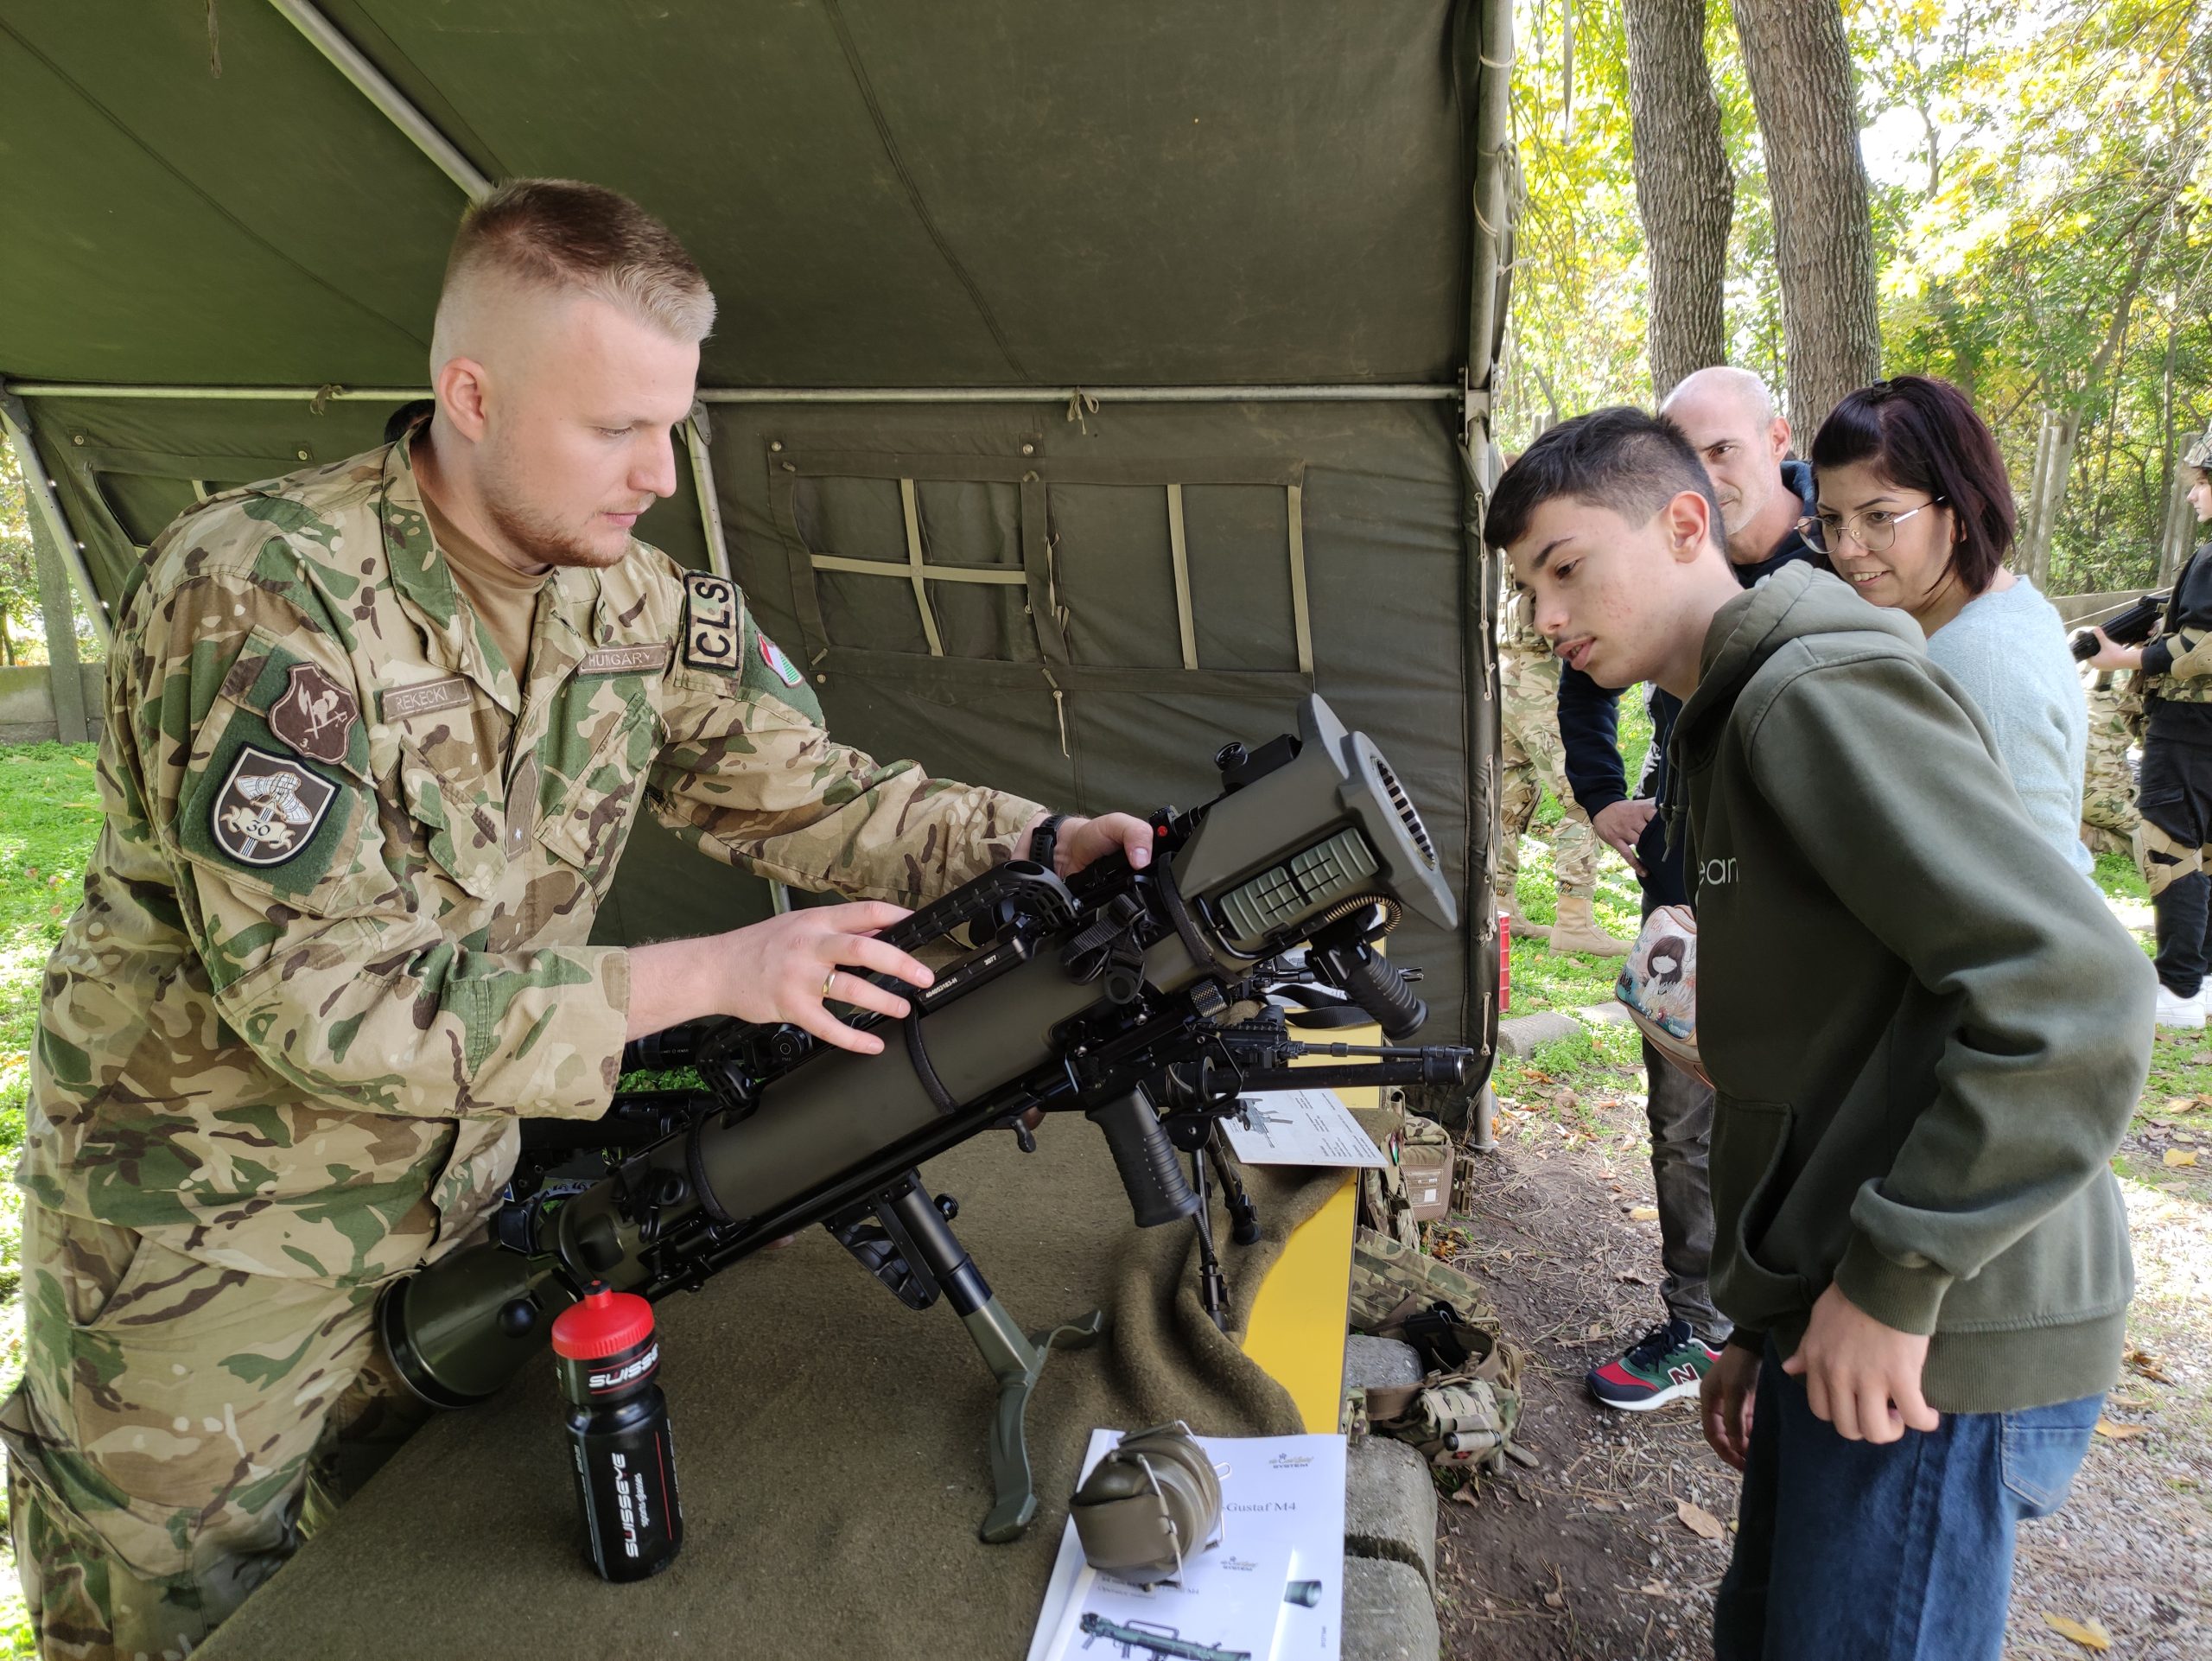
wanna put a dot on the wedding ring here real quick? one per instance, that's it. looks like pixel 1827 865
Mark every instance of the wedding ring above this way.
pixel 826 982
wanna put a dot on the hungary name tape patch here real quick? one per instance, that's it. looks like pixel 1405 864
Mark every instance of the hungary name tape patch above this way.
pixel 269 809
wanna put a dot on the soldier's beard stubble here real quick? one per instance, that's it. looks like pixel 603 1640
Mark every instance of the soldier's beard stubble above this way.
pixel 536 535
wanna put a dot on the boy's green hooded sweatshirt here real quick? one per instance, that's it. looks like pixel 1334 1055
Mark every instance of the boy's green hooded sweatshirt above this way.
pixel 1926 1033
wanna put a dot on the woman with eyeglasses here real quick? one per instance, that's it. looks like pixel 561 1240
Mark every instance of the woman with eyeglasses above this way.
pixel 1915 512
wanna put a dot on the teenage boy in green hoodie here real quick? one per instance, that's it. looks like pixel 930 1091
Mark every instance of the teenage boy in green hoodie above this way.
pixel 1926 1034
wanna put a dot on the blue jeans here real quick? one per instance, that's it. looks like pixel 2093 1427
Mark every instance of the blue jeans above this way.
pixel 1901 1552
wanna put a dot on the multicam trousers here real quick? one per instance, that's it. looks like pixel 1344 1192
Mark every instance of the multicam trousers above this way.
pixel 2107 788
pixel 2176 805
pixel 1530 757
pixel 179 1429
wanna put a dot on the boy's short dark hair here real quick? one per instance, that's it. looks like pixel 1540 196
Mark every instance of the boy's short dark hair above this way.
pixel 1619 458
pixel 1920 432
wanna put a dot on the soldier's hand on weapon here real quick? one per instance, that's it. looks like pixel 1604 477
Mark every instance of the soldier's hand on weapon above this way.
pixel 1083 841
pixel 2110 654
pixel 787 968
pixel 1726 1397
pixel 1621 826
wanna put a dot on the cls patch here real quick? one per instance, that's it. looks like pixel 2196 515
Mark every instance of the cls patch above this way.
pixel 710 625
pixel 316 715
pixel 268 808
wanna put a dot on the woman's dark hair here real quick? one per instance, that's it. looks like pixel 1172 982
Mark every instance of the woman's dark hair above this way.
pixel 1922 433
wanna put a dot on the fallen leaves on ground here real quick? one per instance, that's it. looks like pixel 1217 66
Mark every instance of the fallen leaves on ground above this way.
pixel 1699 1521
pixel 2090 1634
pixel 2178 1156
pixel 2111 1432
pixel 2149 1365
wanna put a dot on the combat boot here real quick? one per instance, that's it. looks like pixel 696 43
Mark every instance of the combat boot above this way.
pixel 1577 930
pixel 1507 907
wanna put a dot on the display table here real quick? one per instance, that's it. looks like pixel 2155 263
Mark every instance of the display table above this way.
pixel 832 1442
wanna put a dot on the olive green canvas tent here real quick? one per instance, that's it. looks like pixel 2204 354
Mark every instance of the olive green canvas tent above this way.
pixel 1090 381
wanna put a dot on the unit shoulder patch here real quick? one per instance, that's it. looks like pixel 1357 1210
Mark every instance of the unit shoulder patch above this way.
pixel 710 622
pixel 316 715
pixel 268 808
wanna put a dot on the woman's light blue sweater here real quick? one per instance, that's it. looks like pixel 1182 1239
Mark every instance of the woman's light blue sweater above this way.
pixel 2008 650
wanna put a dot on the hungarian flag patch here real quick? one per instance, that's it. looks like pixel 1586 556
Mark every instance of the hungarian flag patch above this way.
pixel 782 667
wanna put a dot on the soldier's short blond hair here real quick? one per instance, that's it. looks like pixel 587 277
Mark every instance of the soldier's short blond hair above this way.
pixel 565 236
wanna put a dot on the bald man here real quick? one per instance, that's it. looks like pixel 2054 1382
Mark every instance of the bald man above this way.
pixel 1729 418
pixel 376 737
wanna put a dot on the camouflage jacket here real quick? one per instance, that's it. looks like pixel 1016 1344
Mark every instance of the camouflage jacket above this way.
pixel 334 934
pixel 1527 666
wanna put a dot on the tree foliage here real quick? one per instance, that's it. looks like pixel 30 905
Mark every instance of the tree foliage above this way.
pixel 2040 174
pixel 19 608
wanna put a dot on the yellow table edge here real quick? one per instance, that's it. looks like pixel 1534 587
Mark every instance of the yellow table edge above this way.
pixel 1297 1329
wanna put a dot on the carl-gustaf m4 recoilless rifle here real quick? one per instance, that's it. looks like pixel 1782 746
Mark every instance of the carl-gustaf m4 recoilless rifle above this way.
pixel 1139 998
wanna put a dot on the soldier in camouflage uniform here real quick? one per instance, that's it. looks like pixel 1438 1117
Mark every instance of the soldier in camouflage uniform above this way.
pixel 335 938
pixel 1530 757
pixel 2174 671
pixel 2109 815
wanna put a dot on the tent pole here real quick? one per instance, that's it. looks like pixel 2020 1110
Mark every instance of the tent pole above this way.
pixel 16 419
pixel 325 36
pixel 702 485
pixel 1325 392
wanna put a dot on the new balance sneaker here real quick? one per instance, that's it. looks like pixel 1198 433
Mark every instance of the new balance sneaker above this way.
pixel 1666 1362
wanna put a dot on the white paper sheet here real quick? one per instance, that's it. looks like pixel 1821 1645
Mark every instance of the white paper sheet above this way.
pixel 1298 1127
pixel 1283 1496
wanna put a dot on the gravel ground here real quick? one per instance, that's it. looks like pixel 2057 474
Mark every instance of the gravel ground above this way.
pixel 1593 1556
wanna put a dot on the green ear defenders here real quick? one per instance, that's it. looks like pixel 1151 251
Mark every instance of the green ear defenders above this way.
pixel 1149 1505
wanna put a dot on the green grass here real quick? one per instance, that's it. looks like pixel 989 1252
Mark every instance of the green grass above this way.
pixel 49 816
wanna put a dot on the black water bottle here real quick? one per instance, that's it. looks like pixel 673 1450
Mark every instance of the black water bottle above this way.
pixel 618 1434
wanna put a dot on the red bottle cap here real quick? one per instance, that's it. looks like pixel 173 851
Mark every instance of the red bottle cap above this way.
pixel 605 1323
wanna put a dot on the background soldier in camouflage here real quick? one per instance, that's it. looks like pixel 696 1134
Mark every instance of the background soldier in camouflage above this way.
pixel 2174 672
pixel 376 735
pixel 1530 758
pixel 2109 815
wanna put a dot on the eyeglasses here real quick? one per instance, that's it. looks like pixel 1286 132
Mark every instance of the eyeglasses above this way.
pixel 1876 530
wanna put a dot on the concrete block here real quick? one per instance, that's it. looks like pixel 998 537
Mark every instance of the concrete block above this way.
pixel 1603 1015
pixel 1389 1615
pixel 1390 1505
pixel 1379 1362
pixel 1519 1036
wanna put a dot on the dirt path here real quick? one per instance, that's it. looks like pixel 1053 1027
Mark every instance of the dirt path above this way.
pixel 1589 1557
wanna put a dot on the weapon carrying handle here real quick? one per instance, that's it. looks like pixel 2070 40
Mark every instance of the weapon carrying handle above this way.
pixel 1159 1192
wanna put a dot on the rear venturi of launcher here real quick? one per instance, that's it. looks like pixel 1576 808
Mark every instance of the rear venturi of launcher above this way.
pixel 1077 996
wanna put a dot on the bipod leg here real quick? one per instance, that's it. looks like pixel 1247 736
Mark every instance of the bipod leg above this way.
pixel 1243 1215
pixel 1213 1290
pixel 1015 1358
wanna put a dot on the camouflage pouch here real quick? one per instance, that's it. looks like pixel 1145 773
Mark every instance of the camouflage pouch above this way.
pixel 1463 1417
pixel 1386 1271
pixel 1425 1168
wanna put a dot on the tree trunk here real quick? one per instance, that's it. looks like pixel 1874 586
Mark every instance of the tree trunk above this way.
pixel 1684 192
pixel 2055 443
pixel 2178 534
pixel 1798 61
